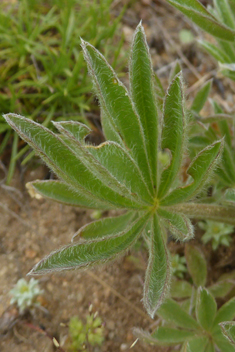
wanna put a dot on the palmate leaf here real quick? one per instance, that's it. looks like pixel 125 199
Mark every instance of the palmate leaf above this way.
pixel 123 173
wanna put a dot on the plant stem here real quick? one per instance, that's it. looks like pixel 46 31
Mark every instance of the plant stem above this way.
pixel 206 211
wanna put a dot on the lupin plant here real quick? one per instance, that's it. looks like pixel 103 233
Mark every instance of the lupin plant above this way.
pixel 124 172
pixel 205 331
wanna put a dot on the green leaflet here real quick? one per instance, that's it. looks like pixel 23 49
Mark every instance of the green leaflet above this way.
pixel 64 193
pixel 210 347
pixel 224 12
pixel 82 255
pixel 221 289
pixel 179 225
pixel 228 329
pixel 176 68
pixel 199 15
pixel 201 97
pixel 226 312
pixel 196 265
pixel 197 344
pixel 172 312
pixel 142 93
pixel 200 169
pixel 109 130
pixel 118 108
pixel 105 227
pixel 223 342
pixel 96 165
pixel 169 336
pixel 122 166
pixel 157 278
pixel 77 129
pixel 181 289
pixel 205 308
pixel 173 133
pixel 215 51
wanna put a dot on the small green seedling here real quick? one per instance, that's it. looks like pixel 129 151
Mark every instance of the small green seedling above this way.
pixel 216 232
pixel 25 294
pixel 124 173
pixel 178 266
pixel 82 335
pixel 194 332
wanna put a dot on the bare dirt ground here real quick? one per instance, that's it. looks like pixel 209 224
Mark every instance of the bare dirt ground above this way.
pixel 31 228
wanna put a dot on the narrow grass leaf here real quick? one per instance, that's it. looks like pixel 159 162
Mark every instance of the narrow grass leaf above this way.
pixel 196 265
pixel 142 93
pixel 203 18
pixel 201 97
pixel 215 51
pixel 200 169
pixel 117 106
pixel 173 133
pixel 157 279
pixel 224 12
pixel 83 255
pixel 105 227
pixel 63 193
pixel 173 313
pixel 178 224
pixel 205 308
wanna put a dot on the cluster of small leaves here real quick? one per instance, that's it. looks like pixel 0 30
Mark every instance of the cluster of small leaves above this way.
pixel 81 335
pixel 25 294
pixel 197 268
pixel 217 232
pixel 195 322
pixel 42 71
pixel 124 172
pixel 195 332
pixel 219 21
